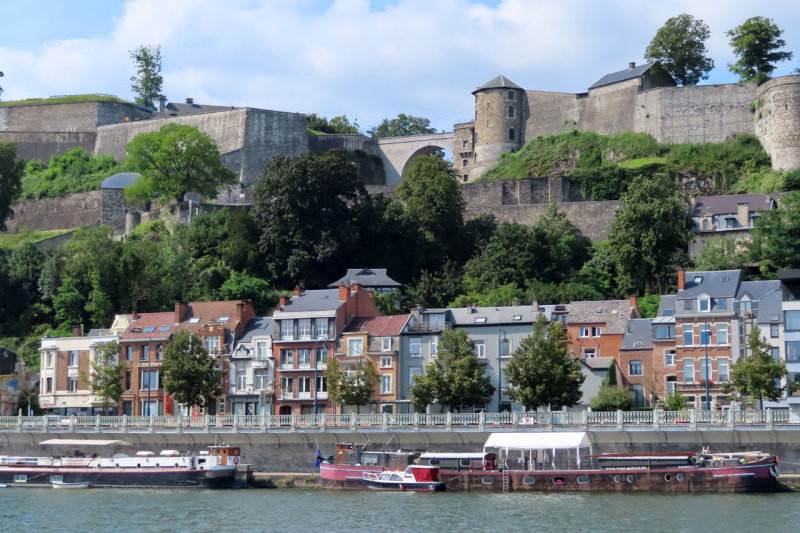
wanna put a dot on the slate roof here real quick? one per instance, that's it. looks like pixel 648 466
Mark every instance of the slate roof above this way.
pixel 638 335
pixel 311 301
pixel 120 181
pixel 769 296
pixel 597 363
pixel 716 284
pixel 509 315
pixel 666 305
pixel 379 326
pixel 366 277
pixel 622 75
pixel 498 82
pixel 614 314
pixel 728 203
pixel 257 327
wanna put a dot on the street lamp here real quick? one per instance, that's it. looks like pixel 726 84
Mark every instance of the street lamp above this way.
pixel 708 370
pixel 149 376
pixel 316 365
pixel 501 336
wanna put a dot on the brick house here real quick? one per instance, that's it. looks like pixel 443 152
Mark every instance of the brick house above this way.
pixel 252 369
pixel 596 328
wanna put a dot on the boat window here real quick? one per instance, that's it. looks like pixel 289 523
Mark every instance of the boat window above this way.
pixel 558 480
pixel 56 478
pixel 667 477
pixel 396 477
pixel 679 477
pixel 629 479
pixel 583 479
pixel 617 479
pixel 529 480
pixel 433 461
pixel 487 480
pixel 20 478
pixel 369 459
pixel 464 462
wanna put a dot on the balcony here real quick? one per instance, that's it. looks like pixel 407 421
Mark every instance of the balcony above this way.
pixel 428 327
pixel 304 395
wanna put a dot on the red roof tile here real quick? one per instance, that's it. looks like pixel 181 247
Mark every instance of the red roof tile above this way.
pixel 379 326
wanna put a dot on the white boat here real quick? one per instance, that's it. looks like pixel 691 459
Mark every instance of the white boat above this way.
pixel 414 478
pixel 63 485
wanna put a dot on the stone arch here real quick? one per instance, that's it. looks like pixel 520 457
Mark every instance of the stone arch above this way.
pixel 397 152
pixel 425 150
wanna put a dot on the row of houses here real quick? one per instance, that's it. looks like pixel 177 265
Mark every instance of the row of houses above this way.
pixel 278 364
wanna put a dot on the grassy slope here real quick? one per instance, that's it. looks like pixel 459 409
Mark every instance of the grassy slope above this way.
pixel 10 241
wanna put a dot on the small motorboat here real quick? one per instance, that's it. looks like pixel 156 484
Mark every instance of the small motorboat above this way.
pixel 421 478
pixel 3 486
pixel 63 485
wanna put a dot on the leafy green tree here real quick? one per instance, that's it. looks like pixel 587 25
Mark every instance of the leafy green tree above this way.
pixel 541 372
pixel 454 379
pixel 401 126
pixel 105 376
pixel 757 43
pixel 613 398
pixel 73 171
pixel 146 83
pixel 721 253
pixel 650 235
pixel 680 46
pixel 611 378
pixel 305 208
pixel 676 402
pixel 758 374
pixel 437 289
pixel 352 386
pixel 648 305
pixel 340 124
pixel 189 374
pixel 173 161
pixel 10 175
pixel 241 286
pixel 776 236
pixel 504 295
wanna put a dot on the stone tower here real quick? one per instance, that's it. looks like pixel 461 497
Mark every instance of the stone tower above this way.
pixel 777 120
pixel 501 110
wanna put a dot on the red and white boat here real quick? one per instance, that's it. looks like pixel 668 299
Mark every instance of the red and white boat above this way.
pixel 414 478
pixel 347 467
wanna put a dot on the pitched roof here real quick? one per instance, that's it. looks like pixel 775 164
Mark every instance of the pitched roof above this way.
pixel 613 313
pixel 769 296
pixel 597 363
pixel 257 327
pixel 379 326
pixel 311 301
pixel 638 335
pixel 728 203
pixel 120 181
pixel 366 277
pixel 713 283
pixel 486 316
pixel 195 316
pixel 622 75
pixel 666 305
pixel 162 324
pixel 498 82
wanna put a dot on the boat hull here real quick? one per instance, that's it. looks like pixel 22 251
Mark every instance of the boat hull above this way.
pixel 431 486
pixel 121 477
pixel 338 476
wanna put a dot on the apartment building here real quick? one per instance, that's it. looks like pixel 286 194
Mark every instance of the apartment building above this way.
pixel 252 369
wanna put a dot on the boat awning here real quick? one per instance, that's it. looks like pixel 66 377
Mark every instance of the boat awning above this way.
pixel 452 455
pixel 538 441
pixel 84 442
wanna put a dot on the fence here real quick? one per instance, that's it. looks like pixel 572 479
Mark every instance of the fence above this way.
pixel 409 421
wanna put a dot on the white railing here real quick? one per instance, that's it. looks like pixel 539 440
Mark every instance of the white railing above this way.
pixel 481 421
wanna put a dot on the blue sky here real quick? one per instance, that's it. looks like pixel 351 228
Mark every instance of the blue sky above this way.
pixel 368 59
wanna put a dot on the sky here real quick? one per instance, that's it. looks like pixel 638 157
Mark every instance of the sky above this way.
pixel 367 59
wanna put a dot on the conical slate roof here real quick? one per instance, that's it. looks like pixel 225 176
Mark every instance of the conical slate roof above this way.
pixel 498 82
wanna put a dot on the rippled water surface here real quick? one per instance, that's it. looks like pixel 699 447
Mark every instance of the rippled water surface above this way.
pixel 117 510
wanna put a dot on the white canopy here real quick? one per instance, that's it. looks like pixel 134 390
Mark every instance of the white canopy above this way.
pixel 538 441
pixel 84 442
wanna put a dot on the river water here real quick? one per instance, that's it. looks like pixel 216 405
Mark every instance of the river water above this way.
pixel 314 510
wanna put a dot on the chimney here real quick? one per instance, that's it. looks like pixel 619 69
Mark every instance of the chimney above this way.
pixel 297 290
pixel 743 214
pixel 284 301
pixel 162 102
pixel 180 311
pixel 416 313
pixel 357 287
pixel 693 201
pixel 190 101
pixel 634 303
pixel 632 65
pixel 343 292
pixel 535 303
pixel 77 330
pixel 515 303
pixel 681 279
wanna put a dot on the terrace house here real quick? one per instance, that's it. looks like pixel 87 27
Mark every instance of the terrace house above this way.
pixel 596 328
pixel 252 369
pixel 790 282
pixel 419 343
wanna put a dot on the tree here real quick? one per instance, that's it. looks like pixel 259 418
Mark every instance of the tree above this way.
pixel 10 185
pixel 680 46
pixel 146 83
pixel 105 376
pixel 721 253
pixel 541 372
pixel 757 375
pixel 454 379
pixel 401 126
pixel 757 43
pixel 354 385
pixel 340 124
pixel 776 236
pixel 173 161
pixel 613 398
pixel 650 235
pixel 305 207
pixel 676 402
pixel 189 374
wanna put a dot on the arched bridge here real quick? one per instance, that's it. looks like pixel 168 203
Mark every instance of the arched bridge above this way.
pixel 397 152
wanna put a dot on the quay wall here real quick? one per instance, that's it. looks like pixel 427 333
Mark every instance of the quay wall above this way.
pixel 287 451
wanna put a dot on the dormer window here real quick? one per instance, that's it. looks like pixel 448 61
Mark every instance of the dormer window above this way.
pixel 704 304
pixel 698 280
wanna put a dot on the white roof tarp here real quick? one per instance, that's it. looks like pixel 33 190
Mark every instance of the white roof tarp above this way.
pixel 84 442
pixel 538 441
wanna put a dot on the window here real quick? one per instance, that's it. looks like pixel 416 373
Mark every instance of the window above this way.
pixel 129 353
pixel 241 379
pixel 512 111
pixel 635 368
pixel 386 361
pixel 672 385
pixel 638 394
pixel 704 304
pixel 773 330
pixel 149 329
pixel 792 320
pixel 304 328
pixel 688 335
pixel 412 372
pixel 705 369
pixel 194 320
pixel 511 134
pixel 49 357
pixel 386 384
pixel 322 384
pixel 127 381
pixel 434 345
pixel 415 347
pixel 776 353
pixel 504 347
pixel 583 332
pixel 145 353
pixel 321 359
pixel 287 387
pixel 164 328
pixel 287 358
pixel 304 358
pixel 262 350
pixel 480 349
pixel 511 95
pixel 723 369
pixel 597 331
pixel 705 334
pixel 722 334
pixel 589 353
pixel 48 385
pixel 688 370
pixel 304 387
pixel 287 330
pixel 745 307
pixel 669 357
pixel 665 332
pixel 355 347
pixel 480 320
pixel 687 305
pixel 260 380
pixel 212 343
pixel 321 325
pixel 73 384
pixel 73 358
pixel 464 144
pixel 465 162
pixel 793 351
pixel 386 344
pixel 148 380
pixel 223 319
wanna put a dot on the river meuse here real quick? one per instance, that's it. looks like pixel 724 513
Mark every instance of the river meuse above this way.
pixel 119 510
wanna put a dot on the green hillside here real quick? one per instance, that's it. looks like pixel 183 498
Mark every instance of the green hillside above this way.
pixel 604 164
